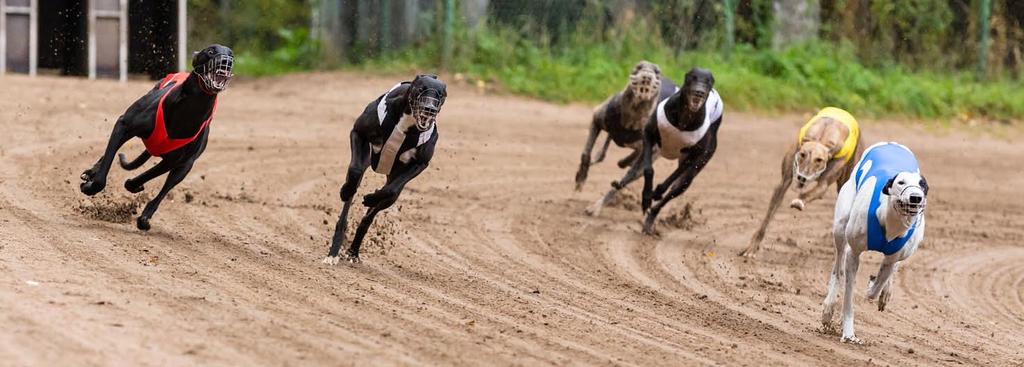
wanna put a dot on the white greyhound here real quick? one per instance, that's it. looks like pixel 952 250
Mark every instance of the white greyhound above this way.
pixel 880 208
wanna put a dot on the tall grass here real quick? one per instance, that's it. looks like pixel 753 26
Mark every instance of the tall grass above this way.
pixel 589 67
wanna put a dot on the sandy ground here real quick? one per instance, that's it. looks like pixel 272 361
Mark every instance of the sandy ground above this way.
pixel 487 259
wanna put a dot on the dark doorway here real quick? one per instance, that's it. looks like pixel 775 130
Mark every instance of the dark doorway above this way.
pixel 63 38
pixel 153 37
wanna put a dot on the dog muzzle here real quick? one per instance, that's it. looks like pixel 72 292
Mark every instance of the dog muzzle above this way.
pixel 801 177
pixel 911 201
pixel 425 108
pixel 216 73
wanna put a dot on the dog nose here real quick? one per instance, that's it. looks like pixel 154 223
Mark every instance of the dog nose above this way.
pixel 916 199
pixel 801 180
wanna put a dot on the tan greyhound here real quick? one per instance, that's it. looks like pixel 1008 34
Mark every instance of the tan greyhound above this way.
pixel 823 154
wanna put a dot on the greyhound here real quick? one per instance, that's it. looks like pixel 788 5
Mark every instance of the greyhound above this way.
pixel 822 154
pixel 623 115
pixel 683 127
pixel 395 135
pixel 173 122
pixel 880 208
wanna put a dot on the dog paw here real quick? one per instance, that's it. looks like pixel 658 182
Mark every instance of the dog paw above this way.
pixel 651 231
pixel 92 187
pixel 851 339
pixel 797 204
pixel 331 260
pixel 133 188
pixel 142 223
pixel 749 252
pixel 617 185
pixel 87 174
pixel 593 210
pixel 354 259
pixel 883 299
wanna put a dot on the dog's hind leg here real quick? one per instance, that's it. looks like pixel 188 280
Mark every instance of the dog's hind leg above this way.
pixel 690 167
pixel 629 160
pixel 828 306
pixel 631 175
pixel 176 175
pixel 135 163
pixel 581 173
pixel 95 179
pixel 364 225
pixel 134 185
pixel 852 263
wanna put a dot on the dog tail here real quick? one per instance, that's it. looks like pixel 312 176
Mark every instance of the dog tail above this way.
pixel 128 166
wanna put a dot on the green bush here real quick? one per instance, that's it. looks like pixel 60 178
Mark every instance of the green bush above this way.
pixel 801 78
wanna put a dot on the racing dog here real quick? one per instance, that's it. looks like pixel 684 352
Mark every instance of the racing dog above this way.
pixel 881 208
pixel 395 135
pixel 623 115
pixel 822 154
pixel 173 122
pixel 684 127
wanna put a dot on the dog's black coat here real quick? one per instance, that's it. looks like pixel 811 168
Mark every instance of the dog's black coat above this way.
pixel 368 132
pixel 610 119
pixel 185 109
pixel 693 159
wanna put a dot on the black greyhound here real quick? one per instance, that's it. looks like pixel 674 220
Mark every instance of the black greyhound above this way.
pixel 173 121
pixel 683 127
pixel 395 135
pixel 623 115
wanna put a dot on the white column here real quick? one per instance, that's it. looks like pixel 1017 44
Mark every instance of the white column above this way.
pixel 33 37
pixel 92 39
pixel 182 35
pixel 3 37
pixel 123 43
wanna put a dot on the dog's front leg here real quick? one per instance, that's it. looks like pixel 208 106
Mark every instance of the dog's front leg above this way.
pixel 176 175
pixel 690 166
pixel 773 206
pixel 378 201
pixel 581 173
pixel 604 150
pixel 95 179
pixel 356 168
pixel 852 263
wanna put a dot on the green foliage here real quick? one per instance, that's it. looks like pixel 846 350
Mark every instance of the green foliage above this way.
pixel 297 52
pixel 801 78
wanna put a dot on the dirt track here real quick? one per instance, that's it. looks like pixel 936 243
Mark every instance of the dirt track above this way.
pixel 487 259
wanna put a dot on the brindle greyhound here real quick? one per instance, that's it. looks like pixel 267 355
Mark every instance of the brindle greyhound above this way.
pixel 623 115
pixel 396 135
pixel 683 127
pixel 173 121
pixel 822 154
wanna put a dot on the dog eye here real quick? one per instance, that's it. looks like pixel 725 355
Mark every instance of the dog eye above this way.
pixel 901 182
pixel 818 160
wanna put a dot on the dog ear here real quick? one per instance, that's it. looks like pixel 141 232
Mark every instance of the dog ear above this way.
pixel 924 185
pixel 885 189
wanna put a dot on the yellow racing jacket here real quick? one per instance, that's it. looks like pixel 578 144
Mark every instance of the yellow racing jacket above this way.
pixel 850 144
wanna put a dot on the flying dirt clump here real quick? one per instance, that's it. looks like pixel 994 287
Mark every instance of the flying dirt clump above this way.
pixel 119 209
pixel 686 218
pixel 385 233
pixel 625 199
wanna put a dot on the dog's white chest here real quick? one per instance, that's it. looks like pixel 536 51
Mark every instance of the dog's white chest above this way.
pixel 390 150
pixel 673 140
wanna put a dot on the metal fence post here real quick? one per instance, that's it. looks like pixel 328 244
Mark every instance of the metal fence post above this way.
pixel 984 12
pixel 449 25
